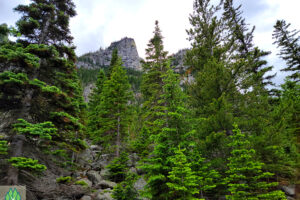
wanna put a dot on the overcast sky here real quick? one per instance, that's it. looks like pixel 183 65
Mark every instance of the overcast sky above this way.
pixel 100 22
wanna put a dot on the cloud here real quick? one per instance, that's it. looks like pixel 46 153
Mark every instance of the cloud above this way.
pixel 100 22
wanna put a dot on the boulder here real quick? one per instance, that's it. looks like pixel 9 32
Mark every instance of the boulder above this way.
pixel 87 181
pixel 94 176
pixel 140 183
pixel 86 198
pixel 104 172
pixel 289 190
pixel 104 184
pixel 103 195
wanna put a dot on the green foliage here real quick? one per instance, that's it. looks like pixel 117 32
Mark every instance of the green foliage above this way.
pixel 288 42
pixel 64 179
pixel 27 164
pixel 118 168
pixel 125 190
pixel 245 177
pixel 207 178
pixel 88 76
pixel 4 31
pixel 19 55
pixel 114 111
pixel 3 147
pixel 82 183
pixel 44 87
pixel 67 118
pixel 183 182
pixel 8 77
pixel 172 129
pixel 45 130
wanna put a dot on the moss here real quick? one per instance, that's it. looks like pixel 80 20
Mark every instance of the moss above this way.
pixel 64 179
pixel 82 183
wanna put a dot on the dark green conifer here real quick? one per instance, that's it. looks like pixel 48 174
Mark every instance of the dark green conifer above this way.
pixel 39 83
pixel 288 42
pixel 114 109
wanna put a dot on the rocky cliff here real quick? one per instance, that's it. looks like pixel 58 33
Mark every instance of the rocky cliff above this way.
pixel 126 49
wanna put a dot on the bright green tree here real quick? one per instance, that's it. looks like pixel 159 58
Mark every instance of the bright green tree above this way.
pixel 183 183
pixel 245 176
pixel 207 178
pixel 114 109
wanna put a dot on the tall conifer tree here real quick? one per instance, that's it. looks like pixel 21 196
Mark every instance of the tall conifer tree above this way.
pixel 289 44
pixel 114 109
pixel 48 103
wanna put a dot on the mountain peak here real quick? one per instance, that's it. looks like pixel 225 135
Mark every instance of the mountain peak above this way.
pixel 126 49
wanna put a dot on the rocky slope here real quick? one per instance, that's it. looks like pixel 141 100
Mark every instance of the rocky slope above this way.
pixel 126 49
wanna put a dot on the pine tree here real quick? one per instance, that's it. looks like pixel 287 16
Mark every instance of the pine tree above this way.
pixel 172 128
pixel 288 41
pixel 154 67
pixel 207 179
pixel 39 83
pixel 183 182
pixel 114 109
pixel 125 190
pixel 246 179
pixel 3 33
pixel 113 61
pixel 95 100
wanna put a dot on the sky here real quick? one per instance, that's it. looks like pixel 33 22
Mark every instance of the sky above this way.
pixel 100 22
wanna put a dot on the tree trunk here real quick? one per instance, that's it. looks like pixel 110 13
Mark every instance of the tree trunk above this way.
pixel 17 147
pixel 118 143
pixel 18 140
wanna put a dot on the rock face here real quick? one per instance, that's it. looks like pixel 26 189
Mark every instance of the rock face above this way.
pixel 126 49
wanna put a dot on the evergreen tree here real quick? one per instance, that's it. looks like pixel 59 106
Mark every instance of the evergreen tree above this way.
pixel 39 83
pixel 125 190
pixel 246 179
pixel 154 67
pixel 183 182
pixel 172 130
pixel 288 41
pixel 207 179
pixel 114 109
pixel 3 33
pixel 113 61
pixel 95 99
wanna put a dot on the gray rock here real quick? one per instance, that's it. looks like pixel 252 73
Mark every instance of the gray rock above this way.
pixel 104 172
pixel 126 49
pixel 87 91
pixel 133 170
pixel 86 198
pixel 87 181
pixel 104 196
pixel 94 176
pixel 289 190
pixel 85 158
pixel 104 184
pixel 140 183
